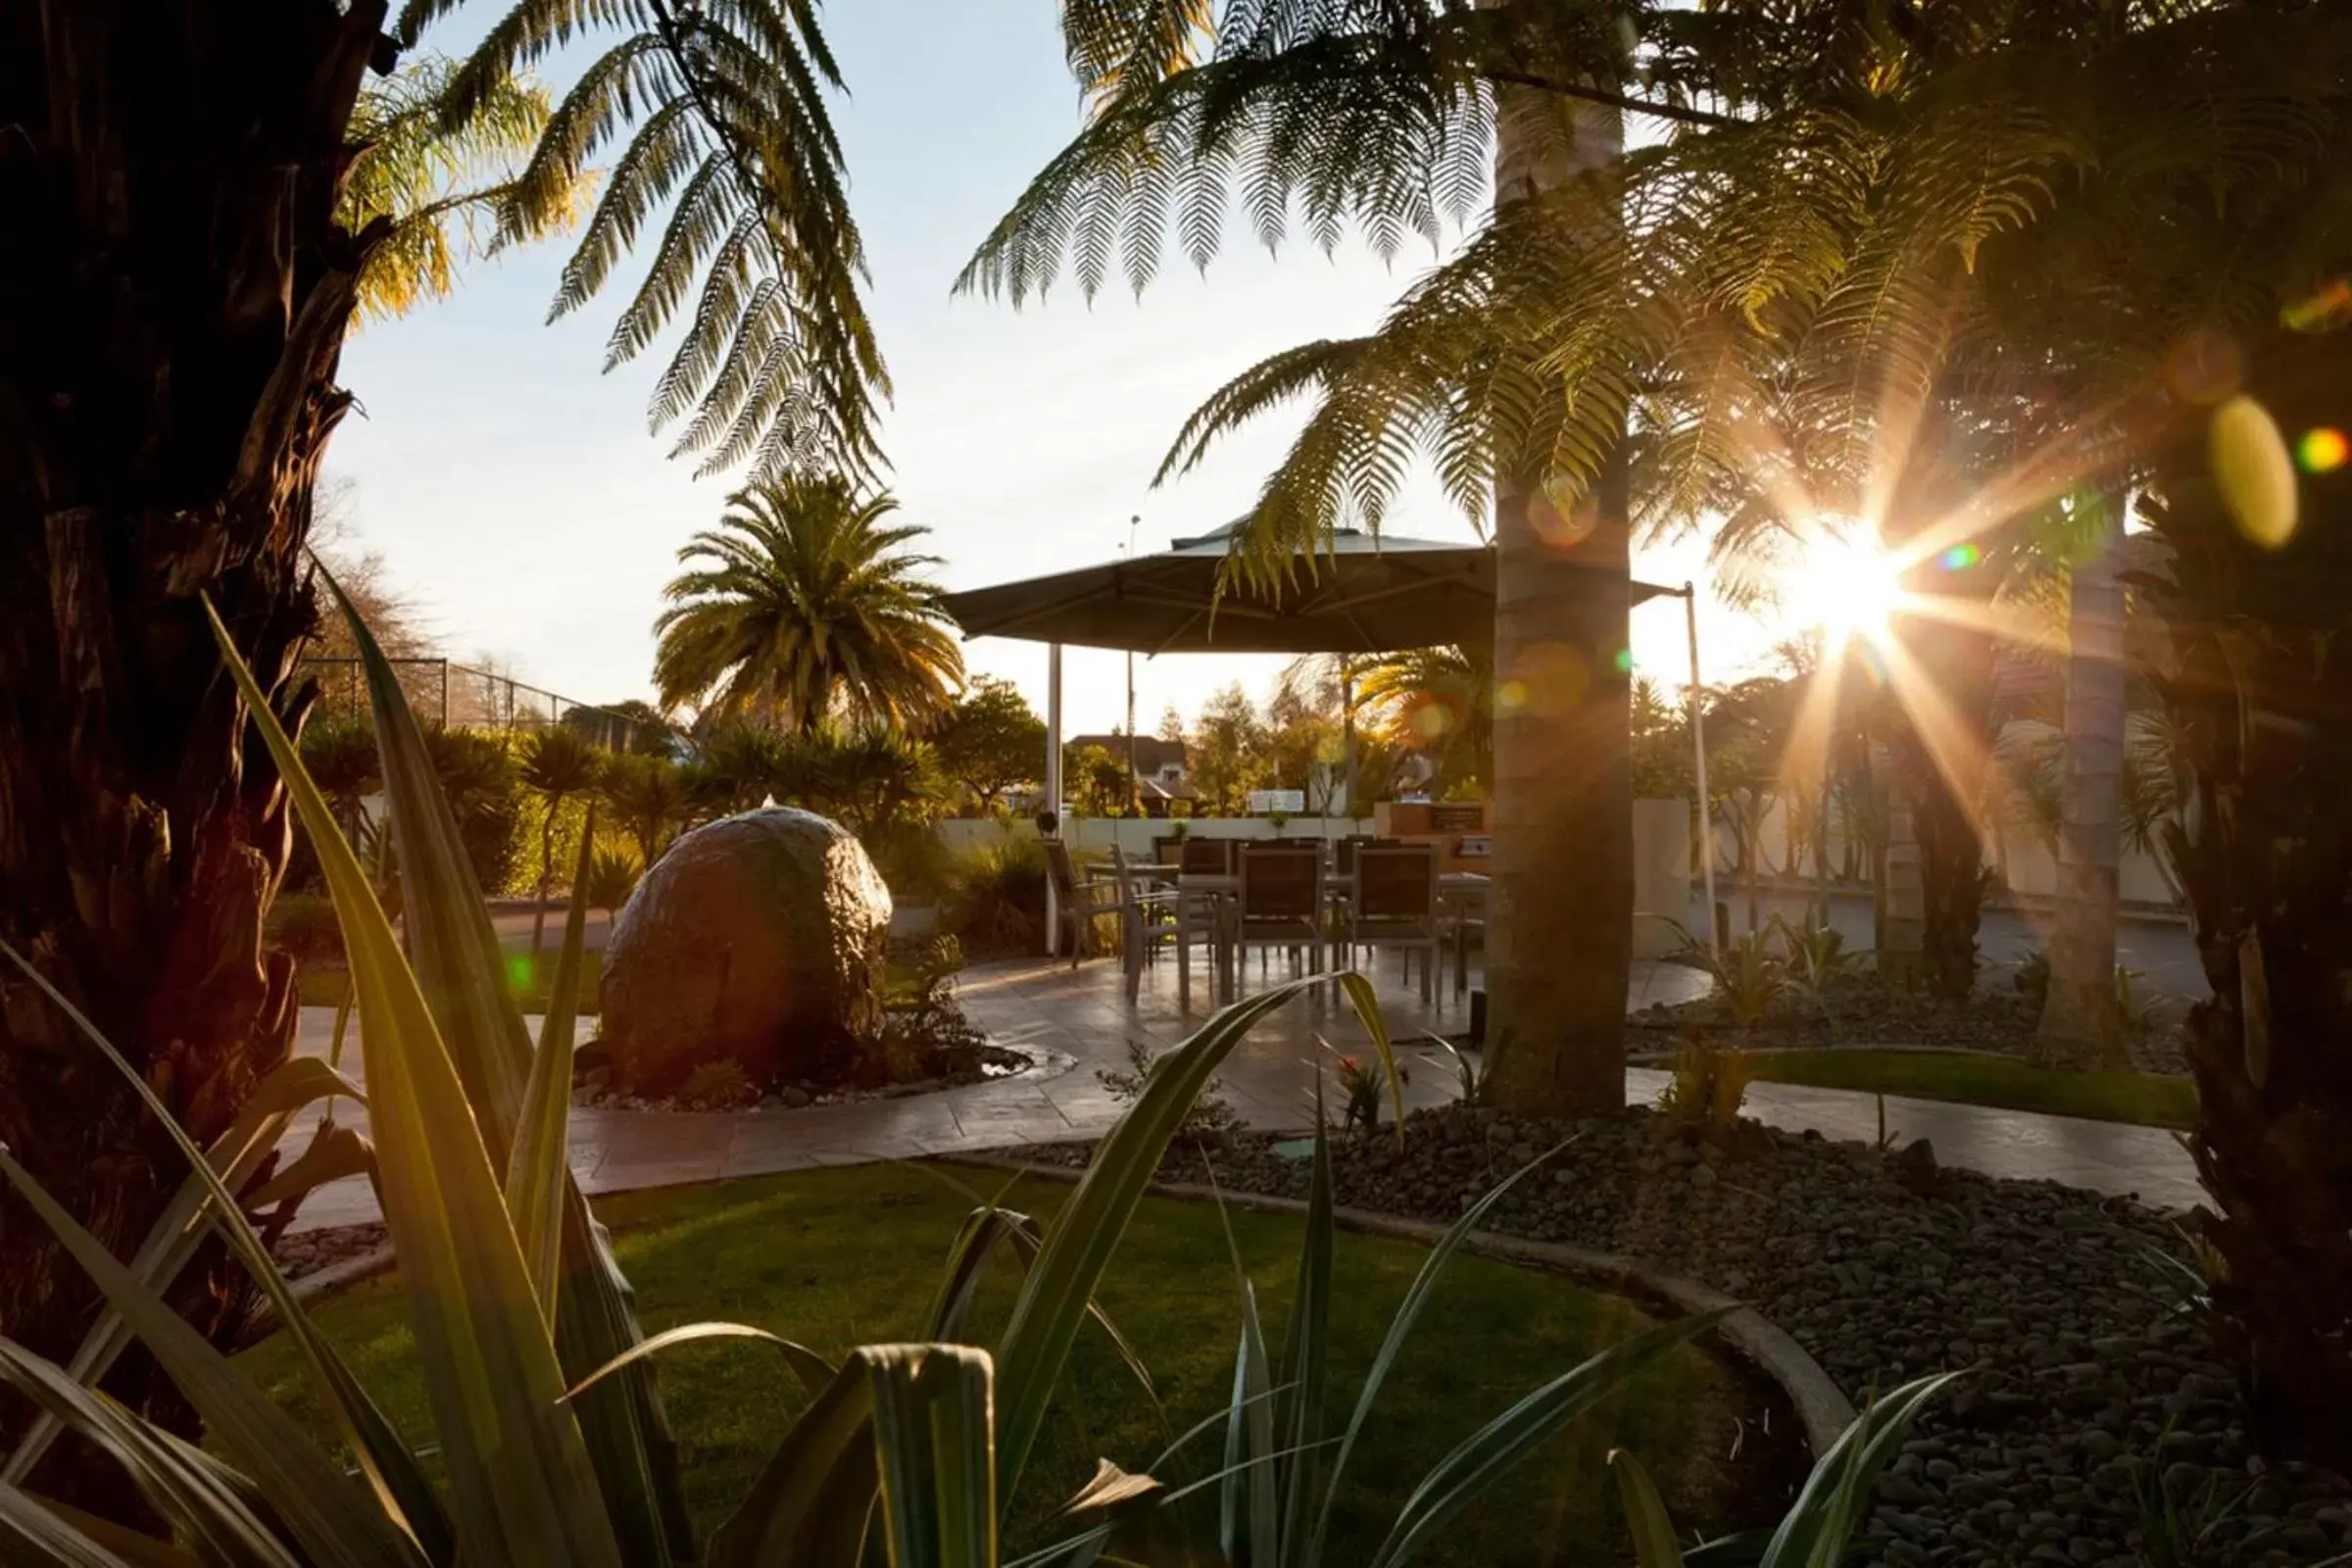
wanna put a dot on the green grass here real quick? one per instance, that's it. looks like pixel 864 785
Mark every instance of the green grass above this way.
pixel 2150 1099
pixel 322 984
pixel 839 1257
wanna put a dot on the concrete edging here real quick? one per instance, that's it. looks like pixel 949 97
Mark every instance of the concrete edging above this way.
pixel 1822 1409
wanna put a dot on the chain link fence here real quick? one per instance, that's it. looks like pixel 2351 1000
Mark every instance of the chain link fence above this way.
pixel 441 691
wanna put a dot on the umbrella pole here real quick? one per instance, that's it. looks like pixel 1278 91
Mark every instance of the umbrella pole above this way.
pixel 1054 787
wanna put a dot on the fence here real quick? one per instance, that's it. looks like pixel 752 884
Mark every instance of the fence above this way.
pixel 443 692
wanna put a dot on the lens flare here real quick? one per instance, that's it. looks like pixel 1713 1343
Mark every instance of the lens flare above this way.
pixel 1849 585
pixel 2321 451
pixel 2253 470
pixel 1623 661
pixel 1960 558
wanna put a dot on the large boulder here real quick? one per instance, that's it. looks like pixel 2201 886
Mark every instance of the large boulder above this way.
pixel 759 938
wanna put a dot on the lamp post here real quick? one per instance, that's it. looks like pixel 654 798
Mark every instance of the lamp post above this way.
pixel 1134 793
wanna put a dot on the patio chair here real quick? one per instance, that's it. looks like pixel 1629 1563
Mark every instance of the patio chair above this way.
pixel 1396 906
pixel 1152 915
pixel 1207 856
pixel 1077 900
pixel 1282 900
pixel 1168 849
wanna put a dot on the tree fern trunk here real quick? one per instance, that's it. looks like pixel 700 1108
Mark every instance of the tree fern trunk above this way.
pixel 1560 941
pixel 173 299
pixel 2258 682
pixel 2079 1022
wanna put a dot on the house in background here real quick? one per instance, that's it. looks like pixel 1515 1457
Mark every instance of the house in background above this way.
pixel 1161 779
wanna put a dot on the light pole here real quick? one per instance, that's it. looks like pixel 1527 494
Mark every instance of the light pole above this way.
pixel 1134 793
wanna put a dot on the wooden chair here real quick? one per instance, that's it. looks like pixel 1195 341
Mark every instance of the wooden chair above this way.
pixel 1077 900
pixel 1282 900
pixel 1169 851
pixel 1205 857
pixel 1396 906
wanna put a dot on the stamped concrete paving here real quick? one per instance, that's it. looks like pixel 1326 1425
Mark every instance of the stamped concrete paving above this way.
pixel 1080 1021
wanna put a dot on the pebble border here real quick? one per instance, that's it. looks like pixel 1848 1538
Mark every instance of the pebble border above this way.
pixel 1821 1408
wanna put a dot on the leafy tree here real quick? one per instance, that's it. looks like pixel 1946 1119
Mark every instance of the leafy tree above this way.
pixel 177 277
pixel 802 605
pixel 1227 752
pixel 871 777
pixel 1100 783
pixel 629 725
pixel 477 772
pixel 990 741
pixel 1171 724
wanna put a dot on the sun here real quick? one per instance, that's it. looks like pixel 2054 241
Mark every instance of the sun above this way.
pixel 1847 584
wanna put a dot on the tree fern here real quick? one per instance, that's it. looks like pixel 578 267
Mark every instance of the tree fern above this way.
pixel 1840 222
pixel 718 112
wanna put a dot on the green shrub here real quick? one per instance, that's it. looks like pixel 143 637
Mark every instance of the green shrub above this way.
pixel 2032 977
pixel 717 1086
pixel 304 925
pixel 1702 1098
pixel 912 858
pixel 994 900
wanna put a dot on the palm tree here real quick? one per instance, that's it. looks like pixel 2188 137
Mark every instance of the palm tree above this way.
pixel 558 764
pixel 177 277
pixel 649 798
pixel 802 606
pixel 1439 702
pixel 440 187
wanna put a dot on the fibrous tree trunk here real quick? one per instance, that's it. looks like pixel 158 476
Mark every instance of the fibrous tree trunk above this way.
pixel 2081 1023
pixel 2257 680
pixel 1939 756
pixel 1560 940
pixel 173 295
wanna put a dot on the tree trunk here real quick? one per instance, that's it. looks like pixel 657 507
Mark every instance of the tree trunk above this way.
pixel 2258 682
pixel 172 300
pixel 1559 944
pixel 2081 1023
pixel 547 878
pixel 1936 775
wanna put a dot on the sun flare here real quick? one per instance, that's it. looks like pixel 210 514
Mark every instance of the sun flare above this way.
pixel 1847 584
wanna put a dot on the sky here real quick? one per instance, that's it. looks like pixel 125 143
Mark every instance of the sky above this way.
pixel 521 502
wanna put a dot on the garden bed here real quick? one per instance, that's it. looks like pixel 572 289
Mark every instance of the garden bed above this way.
pixel 838 1257
pixel 1855 1010
pixel 2092 1407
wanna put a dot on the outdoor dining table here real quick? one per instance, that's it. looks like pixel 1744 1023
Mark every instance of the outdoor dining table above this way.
pixel 1222 892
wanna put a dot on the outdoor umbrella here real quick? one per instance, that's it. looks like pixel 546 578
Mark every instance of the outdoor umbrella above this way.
pixel 1360 594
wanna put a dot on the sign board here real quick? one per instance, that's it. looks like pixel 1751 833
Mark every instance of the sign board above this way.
pixel 1265 803
pixel 1458 818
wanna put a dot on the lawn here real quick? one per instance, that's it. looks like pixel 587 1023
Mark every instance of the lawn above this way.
pixel 840 1257
pixel 321 983
pixel 2150 1099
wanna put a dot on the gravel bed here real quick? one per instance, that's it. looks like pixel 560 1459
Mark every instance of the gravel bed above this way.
pixel 309 1251
pixel 2092 1398
pixel 1858 1012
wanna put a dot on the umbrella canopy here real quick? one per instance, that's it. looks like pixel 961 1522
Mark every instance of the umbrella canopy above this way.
pixel 1362 594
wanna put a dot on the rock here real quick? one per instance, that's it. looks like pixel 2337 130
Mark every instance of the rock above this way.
pixel 759 938
pixel 1914 1166
pixel 793 1097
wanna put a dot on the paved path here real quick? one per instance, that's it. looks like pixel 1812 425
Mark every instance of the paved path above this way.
pixel 1081 1020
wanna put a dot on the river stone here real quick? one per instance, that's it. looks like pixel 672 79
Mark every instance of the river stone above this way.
pixel 757 937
